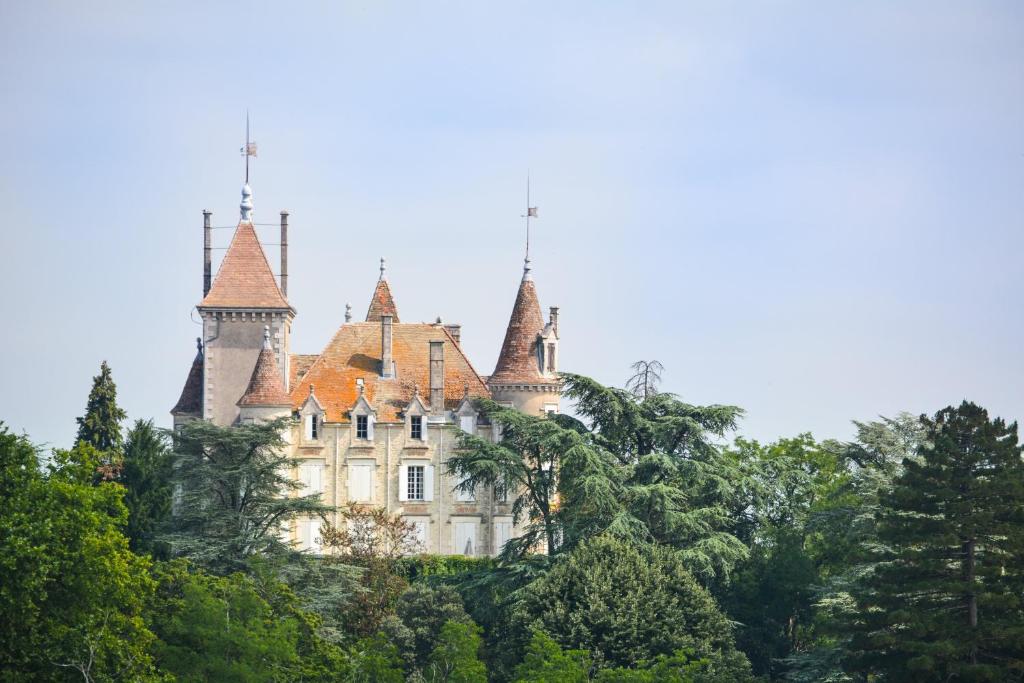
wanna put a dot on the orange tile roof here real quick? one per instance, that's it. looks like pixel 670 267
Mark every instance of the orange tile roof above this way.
pixel 191 400
pixel 266 388
pixel 354 353
pixel 517 362
pixel 244 279
pixel 382 303
pixel 298 365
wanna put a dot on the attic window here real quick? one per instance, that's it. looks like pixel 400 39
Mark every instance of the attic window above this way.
pixel 362 426
pixel 416 427
pixel 312 428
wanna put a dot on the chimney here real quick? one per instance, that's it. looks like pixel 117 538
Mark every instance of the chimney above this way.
pixel 455 330
pixel 437 378
pixel 387 365
pixel 207 251
pixel 553 319
pixel 284 253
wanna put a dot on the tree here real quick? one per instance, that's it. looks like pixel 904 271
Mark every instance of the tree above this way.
pixel 524 463
pixel 375 541
pixel 645 379
pixel 221 629
pixel 628 604
pixel 420 616
pixel 234 488
pixel 373 660
pixel 101 424
pixel 546 662
pixel 454 659
pixel 72 596
pixel 148 467
pixel 944 601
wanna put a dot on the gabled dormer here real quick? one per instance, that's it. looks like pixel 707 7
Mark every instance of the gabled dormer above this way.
pixel 466 413
pixel 416 418
pixel 363 417
pixel 547 346
pixel 311 414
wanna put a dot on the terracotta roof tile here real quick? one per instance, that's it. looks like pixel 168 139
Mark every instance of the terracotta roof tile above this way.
pixel 382 303
pixel 266 388
pixel 244 279
pixel 298 365
pixel 191 400
pixel 518 359
pixel 354 353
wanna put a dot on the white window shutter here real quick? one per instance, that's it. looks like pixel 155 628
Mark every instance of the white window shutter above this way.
pixel 308 424
pixel 369 427
pixel 468 423
pixel 403 482
pixel 428 482
pixel 360 478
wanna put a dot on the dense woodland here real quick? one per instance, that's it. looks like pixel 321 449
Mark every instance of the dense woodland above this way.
pixel 659 547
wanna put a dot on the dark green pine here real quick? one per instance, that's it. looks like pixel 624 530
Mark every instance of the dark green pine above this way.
pixel 101 424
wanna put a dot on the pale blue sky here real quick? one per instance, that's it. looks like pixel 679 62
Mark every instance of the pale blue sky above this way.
pixel 812 210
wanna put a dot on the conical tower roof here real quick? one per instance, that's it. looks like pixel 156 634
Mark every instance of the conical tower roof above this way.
pixel 266 387
pixel 245 279
pixel 191 400
pixel 382 303
pixel 518 360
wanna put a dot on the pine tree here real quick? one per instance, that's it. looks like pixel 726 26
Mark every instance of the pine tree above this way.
pixel 147 479
pixel 101 424
pixel 945 601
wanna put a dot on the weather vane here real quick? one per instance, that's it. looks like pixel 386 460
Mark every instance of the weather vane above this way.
pixel 531 212
pixel 250 148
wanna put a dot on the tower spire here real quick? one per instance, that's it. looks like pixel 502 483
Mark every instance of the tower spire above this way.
pixel 531 212
pixel 249 150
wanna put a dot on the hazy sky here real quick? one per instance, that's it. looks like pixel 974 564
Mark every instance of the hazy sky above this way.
pixel 812 210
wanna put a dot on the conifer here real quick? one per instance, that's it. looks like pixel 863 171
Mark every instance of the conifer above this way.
pixel 101 424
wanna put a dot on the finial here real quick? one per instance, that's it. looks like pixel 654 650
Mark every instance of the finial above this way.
pixel 438 321
pixel 360 385
pixel 526 269
pixel 531 212
pixel 383 268
pixel 199 345
pixel 310 388
pixel 266 336
pixel 415 389
pixel 246 205
pixel 348 312
pixel 465 390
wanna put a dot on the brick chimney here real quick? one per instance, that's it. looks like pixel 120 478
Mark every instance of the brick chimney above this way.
pixel 553 319
pixel 207 252
pixel 387 363
pixel 437 378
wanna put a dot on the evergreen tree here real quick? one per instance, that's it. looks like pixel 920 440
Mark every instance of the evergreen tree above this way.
pixel 945 600
pixel 420 615
pixel 546 662
pixel 148 467
pixel 101 425
pixel 235 487
pixel 455 658
pixel 628 604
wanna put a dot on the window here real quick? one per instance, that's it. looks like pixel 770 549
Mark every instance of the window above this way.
pixel 416 427
pixel 414 485
pixel 463 496
pixel 362 426
pixel 312 428
pixel 311 476
pixel 502 533
pixel 468 423
pixel 464 538
pixel 501 493
pixel 309 535
pixel 416 482
pixel 550 408
pixel 420 534
pixel 360 482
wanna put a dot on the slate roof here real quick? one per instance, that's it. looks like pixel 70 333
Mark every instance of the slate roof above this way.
pixel 244 279
pixel 191 400
pixel 382 303
pixel 266 387
pixel 354 353
pixel 517 362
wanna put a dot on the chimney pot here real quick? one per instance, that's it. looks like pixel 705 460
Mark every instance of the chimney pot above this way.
pixel 207 253
pixel 387 364
pixel 284 253
pixel 455 330
pixel 553 317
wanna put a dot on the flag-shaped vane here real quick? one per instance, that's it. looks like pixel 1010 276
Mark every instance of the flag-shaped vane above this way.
pixel 531 211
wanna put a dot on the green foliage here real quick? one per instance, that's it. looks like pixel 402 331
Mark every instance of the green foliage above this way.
pixel 420 616
pixel 546 662
pixel 944 601
pixel 72 595
pixel 148 466
pixel 373 660
pixel 455 657
pixel 628 604
pixel 419 567
pixel 101 425
pixel 219 628
pixel 235 484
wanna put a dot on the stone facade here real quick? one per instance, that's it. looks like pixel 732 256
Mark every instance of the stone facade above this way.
pixel 378 412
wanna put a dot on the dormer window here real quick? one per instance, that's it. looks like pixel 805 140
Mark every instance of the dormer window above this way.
pixel 416 427
pixel 362 426
pixel 312 427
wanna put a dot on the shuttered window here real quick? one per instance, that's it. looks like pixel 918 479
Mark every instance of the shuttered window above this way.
pixel 360 482
pixel 311 476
